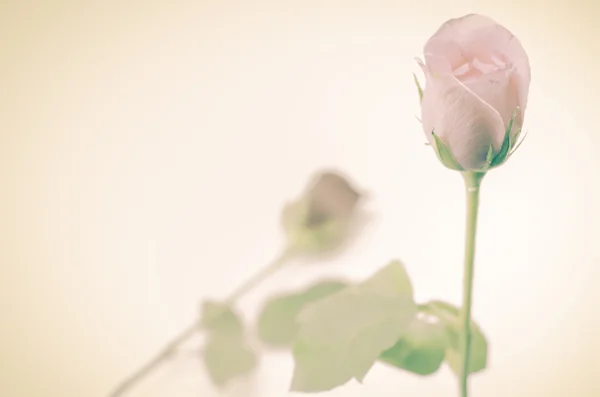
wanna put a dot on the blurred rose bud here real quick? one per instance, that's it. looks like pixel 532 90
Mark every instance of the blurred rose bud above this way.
pixel 323 217
pixel 477 82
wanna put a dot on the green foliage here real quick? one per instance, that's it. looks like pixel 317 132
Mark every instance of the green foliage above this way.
pixel 421 350
pixel 342 335
pixel 449 316
pixel 226 354
pixel 226 358
pixel 277 322
pixel 219 317
pixel 434 337
pixel 338 331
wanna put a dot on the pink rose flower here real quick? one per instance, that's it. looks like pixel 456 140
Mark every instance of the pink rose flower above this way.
pixel 477 78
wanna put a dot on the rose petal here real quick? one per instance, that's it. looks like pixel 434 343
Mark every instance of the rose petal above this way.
pixel 476 36
pixel 461 119
pixel 499 91
pixel 444 56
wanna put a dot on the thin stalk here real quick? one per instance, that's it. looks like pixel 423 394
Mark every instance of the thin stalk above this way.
pixel 472 184
pixel 169 349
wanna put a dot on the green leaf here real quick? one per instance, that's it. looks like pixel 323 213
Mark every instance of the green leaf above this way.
pixel 277 322
pixel 227 357
pixel 342 335
pixel 444 154
pixel 449 315
pixel 421 350
pixel 419 89
pixel 219 317
pixel 226 354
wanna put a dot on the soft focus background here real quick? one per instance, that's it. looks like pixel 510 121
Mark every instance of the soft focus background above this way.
pixel 146 149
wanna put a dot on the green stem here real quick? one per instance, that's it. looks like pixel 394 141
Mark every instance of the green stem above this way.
pixel 169 349
pixel 472 184
pixel 262 275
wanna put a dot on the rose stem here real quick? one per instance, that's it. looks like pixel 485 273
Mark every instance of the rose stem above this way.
pixel 168 350
pixel 472 183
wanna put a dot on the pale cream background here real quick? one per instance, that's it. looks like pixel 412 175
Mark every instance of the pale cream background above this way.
pixel 146 149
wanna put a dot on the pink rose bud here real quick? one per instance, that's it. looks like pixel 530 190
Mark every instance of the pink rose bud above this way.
pixel 323 217
pixel 477 82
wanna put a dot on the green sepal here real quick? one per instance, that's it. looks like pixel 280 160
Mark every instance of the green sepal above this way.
pixel 489 157
pixel 444 154
pixel 516 139
pixel 504 154
pixel 419 88
pixel 313 240
pixel 516 144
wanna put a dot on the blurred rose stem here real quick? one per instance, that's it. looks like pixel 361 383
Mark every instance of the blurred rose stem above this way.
pixel 472 184
pixel 170 348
